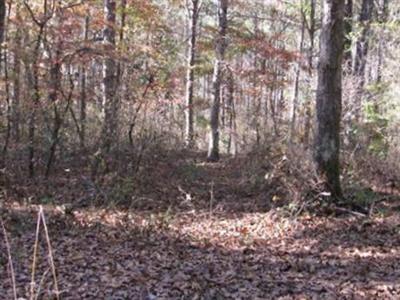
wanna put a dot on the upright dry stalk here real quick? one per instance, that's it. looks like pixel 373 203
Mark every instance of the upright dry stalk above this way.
pixel 34 261
pixel 51 258
pixel 10 262
pixel 41 219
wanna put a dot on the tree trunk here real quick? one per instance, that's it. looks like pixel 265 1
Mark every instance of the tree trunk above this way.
pixel 382 20
pixel 4 53
pixel 2 34
pixel 121 39
pixel 83 95
pixel 15 107
pixel 109 86
pixel 329 97
pixel 193 13
pixel 34 88
pixel 311 34
pixel 213 150
pixel 295 100
pixel 361 52
pixel 231 147
pixel 3 9
pixel 348 28
pixel 55 89
pixel 110 101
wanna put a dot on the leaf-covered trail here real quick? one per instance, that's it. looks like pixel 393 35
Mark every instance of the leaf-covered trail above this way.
pixel 193 252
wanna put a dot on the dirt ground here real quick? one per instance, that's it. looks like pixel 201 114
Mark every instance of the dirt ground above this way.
pixel 192 230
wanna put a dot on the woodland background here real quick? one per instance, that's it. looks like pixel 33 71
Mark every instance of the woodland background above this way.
pixel 165 149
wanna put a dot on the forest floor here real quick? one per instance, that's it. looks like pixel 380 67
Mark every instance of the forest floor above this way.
pixel 192 230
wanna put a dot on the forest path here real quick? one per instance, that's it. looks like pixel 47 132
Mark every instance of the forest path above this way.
pixel 186 181
pixel 197 248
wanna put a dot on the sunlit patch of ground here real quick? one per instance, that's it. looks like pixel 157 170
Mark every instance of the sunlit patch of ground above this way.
pixel 186 229
pixel 117 254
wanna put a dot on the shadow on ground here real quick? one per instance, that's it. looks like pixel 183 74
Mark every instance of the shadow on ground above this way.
pixel 117 256
pixel 181 180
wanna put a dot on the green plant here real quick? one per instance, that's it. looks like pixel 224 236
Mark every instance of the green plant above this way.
pixel 375 128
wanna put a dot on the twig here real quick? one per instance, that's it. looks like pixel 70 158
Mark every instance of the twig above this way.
pixel 304 206
pixel 371 209
pixel 351 212
pixel 10 262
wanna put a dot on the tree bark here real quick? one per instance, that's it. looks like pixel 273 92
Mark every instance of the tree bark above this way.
pixel 15 106
pixel 311 33
pixel 232 145
pixel 4 53
pixel 221 44
pixel 361 52
pixel 32 70
pixel 293 113
pixel 193 12
pixel 33 73
pixel 110 80
pixel 384 14
pixel 109 86
pixel 362 44
pixel 83 95
pixel 329 97
pixel 348 29
pixel 3 9
pixel 55 77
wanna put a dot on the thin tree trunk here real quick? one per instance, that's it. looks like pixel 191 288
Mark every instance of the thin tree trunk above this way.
pixel 8 102
pixel 121 39
pixel 348 28
pixel 256 96
pixel 109 85
pixel 4 53
pixel 59 117
pixel 193 13
pixel 329 97
pixel 360 55
pixel 280 104
pixel 33 80
pixel 205 93
pixel 109 79
pixel 55 89
pixel 295 100
pixel 3 9
pixel 83 95
pixel 274 109
pixel 32 72
pixel 311 33
pixel 15 109
pixel 213 150
pixel 223 105
pixel 231 147
pixel 381 46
